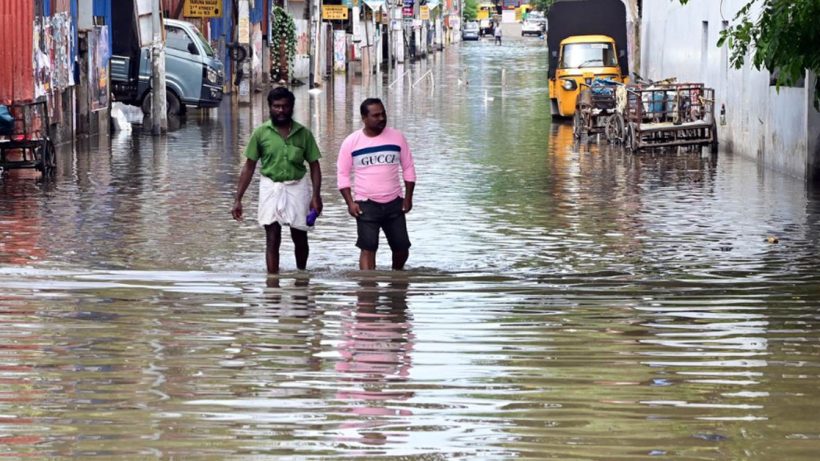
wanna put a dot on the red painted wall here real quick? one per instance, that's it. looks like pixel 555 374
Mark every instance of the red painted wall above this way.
pixel 16 62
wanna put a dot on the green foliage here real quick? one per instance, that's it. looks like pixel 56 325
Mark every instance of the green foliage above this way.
pixel 470 10
pixel 542 5
pixel 283 31
pixel 784 39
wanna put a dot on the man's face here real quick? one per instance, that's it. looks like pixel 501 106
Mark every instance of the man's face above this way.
pixel 376 118
pixel 281 111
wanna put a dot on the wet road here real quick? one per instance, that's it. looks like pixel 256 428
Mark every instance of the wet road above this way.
pixel 563 301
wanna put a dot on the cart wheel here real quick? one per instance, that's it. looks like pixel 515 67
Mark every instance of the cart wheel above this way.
pixel 632 135
pixel 50 160
pixel 713 146
pixel 618 129
pixel 47 158
pixel 577 124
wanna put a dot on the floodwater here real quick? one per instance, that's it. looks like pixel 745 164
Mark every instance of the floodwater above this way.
pixel 562 301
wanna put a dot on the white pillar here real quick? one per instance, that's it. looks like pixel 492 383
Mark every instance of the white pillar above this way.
pixel 159 119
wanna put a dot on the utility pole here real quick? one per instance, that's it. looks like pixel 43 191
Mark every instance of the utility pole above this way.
pixel 390 40
pixel 315 34
pixel 159 117
pixel 244 39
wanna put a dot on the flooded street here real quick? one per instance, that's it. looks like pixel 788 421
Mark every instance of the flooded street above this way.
pixel 563 301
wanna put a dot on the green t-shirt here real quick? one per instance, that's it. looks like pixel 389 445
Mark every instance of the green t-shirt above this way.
pixel 282 159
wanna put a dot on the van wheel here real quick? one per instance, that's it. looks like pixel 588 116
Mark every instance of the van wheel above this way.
pixel 172 104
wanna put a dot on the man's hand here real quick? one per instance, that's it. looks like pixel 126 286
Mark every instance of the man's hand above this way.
pixel 236 212
pixel 354 210
pixel 316 203
pixel 407 204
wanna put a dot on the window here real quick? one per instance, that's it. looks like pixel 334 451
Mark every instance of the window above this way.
pixel 578 55
pixel 177 39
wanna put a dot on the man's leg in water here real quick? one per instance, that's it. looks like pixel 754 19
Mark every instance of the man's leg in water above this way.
pixel 300 247
pixel 399 258
pixel 367 260
pixel 273 239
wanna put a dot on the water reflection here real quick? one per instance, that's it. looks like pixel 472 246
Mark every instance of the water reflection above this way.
pixel 563 299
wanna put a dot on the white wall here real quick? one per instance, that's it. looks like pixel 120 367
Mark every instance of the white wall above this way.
pixel 680 41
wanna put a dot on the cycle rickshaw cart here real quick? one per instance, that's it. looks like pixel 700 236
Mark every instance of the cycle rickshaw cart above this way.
pixel 24 139
pixel 665 115
pixel 595 107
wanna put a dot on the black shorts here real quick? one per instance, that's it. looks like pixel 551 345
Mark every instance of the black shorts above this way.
pixel 387 216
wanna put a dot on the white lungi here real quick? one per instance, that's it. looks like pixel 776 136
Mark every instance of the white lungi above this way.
pixel 284 202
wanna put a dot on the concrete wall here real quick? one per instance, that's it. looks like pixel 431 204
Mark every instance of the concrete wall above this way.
pixel 772 127
pixel 813 124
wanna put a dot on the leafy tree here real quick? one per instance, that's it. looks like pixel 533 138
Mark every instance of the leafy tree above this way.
pixel 542 5
pixel 470 10
pixel 784 39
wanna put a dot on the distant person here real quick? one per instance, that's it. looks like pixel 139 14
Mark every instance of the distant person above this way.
pixel 374 155
pixel 286 195
pixel 497 34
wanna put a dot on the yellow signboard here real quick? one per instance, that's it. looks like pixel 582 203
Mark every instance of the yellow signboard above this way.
pixel 202 9
pixel 334 12
pixel 424 13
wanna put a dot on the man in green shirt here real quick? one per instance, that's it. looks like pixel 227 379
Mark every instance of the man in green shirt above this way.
pixel 286 195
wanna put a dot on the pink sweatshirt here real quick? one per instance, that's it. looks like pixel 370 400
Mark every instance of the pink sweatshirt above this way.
pixel 375 165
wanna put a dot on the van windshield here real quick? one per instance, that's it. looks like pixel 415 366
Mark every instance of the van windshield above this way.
pixel 205 45
pixel 577 55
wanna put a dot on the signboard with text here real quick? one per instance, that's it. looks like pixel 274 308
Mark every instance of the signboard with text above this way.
pixel 202 9
pixel 334 12
pixel 424 12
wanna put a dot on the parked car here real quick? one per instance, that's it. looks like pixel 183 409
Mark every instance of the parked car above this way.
pixel 470 31
pixel 193 74
pixel 531 28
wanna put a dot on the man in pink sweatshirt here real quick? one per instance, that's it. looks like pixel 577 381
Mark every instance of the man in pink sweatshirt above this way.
pixel 373 155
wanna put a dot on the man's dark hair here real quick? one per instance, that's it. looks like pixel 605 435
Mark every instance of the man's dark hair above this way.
pixel 280 92
pixel 367 103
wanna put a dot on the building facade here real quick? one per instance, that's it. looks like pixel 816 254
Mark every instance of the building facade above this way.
pixel 780 129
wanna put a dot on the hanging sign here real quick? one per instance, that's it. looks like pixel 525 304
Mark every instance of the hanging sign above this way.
pixel 202 8
pixel 424 12
pixel 334 12
pixel 407 9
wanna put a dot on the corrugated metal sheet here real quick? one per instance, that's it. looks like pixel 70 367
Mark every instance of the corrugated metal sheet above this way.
pixel 173 8
pixel 61 6
pixel 222 28
pixel 257 12
pixel 16 62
